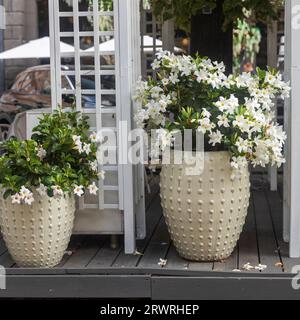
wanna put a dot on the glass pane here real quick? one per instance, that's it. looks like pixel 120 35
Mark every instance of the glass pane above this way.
pixel 111 178
pixel 109 120
pixel 66 24
pixel 66 5
pixel 29 84
pixel 111 197
pixel 43 81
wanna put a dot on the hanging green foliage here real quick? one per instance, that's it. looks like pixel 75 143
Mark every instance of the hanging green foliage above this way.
pixel 183 10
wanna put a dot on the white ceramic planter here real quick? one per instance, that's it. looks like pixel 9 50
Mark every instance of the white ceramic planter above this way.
pixel 205 213
pixel 37 235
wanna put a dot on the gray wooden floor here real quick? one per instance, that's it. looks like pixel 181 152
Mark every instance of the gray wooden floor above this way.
pixel 90 258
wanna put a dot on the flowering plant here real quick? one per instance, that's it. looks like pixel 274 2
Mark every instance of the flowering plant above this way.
pixel 233 112
pixel 60 158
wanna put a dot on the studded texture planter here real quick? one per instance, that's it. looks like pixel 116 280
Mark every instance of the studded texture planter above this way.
pixel 205 213
pixel 37 235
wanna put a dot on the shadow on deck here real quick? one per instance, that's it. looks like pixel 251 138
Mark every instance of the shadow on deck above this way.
pixel 93 269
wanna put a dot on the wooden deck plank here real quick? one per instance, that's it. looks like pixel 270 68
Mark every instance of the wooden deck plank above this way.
pixel 6 260
pixel 229 264
pixel 2 246
pixel 85 253
pixel 276 206
pixel 248 246
pixel 174 261
pixel 267 246
pixel 105 257
pixel 74 245
pixel 158 247
pixel 153 216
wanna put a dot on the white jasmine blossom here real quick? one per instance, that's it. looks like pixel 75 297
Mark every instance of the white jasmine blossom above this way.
pixel 29 200
pixel 162 262
pixel 215 137
pixel 93 189
pixel 87 148
pixel 248 266
pixel 101 175
pixel 94 165
pixel 261 267
pixel 42 190
pixel 24 196
pixel 94 137
pixel 173 78
pixel 41 153
pixel 16 199
pixel 78 143
pixel 205 125
pixel 57 191
pixel 223 121
pixel 78 191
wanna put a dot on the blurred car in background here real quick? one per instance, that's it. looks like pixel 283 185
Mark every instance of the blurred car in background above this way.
pixel 32 90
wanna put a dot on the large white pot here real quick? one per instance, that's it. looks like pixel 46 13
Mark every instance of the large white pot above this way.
pixel 205 213
pixel 37 235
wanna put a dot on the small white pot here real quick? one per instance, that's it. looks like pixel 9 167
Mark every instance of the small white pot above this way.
pixel 37 235
pixel 205 213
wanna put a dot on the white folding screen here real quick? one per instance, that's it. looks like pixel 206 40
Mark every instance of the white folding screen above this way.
pixel 292 126
pixel 105 66
pixel 155 37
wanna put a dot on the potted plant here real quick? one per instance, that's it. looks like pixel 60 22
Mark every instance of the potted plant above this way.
pixel 205 213
pixel 39 178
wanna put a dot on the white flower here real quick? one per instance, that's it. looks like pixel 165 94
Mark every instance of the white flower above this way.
pixel 242 145
pixel 29 199
pixel 41 153
pixel 214 80
pixel 164 138
pixel 87 148
pixel 76 138
pixel 173 78
pixel 94 165
pixel 227 105
pixel 101 175
pixel 241 123
pixel 156 92
pixel 244 80
pixel 16 199
pixel 165 81
pixel 248 266
pixel 155 65
pixel 94 137
pixel 78 191
pixel 261 267
pixel 215 137
pixel 162 262
pixel 201 75
pixel 205 113
pixel 223 121
pixel 93 189
pixel 238 162
pixel 24 192
pixel 42 190
pixel 162 54
pixel 57 191
pixel 78 143
pixel 25 196
pixel 205 125
pixel 270 79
